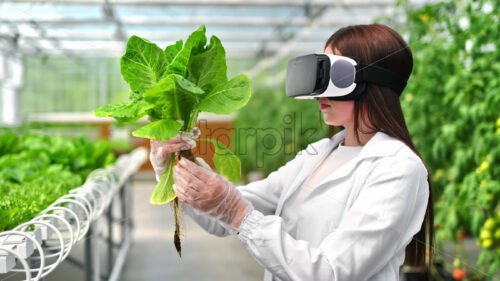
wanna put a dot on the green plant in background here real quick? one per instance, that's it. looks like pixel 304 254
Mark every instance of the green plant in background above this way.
pixel 452 107
pixel 172 87
pixel 36 170
pixel 119 145
pixel 272 128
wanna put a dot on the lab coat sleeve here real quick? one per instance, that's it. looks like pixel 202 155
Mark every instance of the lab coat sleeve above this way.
pixel 388 211
pixel 210 224
pixel 263 195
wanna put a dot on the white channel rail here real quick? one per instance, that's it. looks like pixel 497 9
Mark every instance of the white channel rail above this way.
pixel 54 232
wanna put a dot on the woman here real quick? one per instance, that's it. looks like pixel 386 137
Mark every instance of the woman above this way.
pixel 352 210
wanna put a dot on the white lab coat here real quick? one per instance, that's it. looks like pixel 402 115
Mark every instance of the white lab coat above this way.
pixel 354 226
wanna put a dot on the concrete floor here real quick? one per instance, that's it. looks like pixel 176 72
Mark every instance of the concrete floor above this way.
pixel 204 257
pixel 153 256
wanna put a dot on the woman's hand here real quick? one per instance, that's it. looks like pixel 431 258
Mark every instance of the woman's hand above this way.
pixel 161 150
pixel 210 193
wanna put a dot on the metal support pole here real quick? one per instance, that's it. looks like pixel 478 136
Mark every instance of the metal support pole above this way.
pixel 116 260
pixel 130 204
pixel 110 237
pixel 124 214
pixel 88 255
pixel 126 227
pixel 92 85
pixel 11 80
pixel 103 83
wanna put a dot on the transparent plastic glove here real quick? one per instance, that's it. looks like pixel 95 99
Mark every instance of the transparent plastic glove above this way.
pixel 161 150
pixel 202 162
pixel 210 193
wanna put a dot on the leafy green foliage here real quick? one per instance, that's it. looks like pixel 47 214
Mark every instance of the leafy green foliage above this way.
pixel 227 97
pixel 226 163
pixel 163 193
pixel 172 50
pixel 451 104
pixel 159 130
pixel 8 143
pixel 201 67
pixel 195 43
pixel 126 112
pixel 176 97
pixel 41 169
pixel 143 64
pixel 175 85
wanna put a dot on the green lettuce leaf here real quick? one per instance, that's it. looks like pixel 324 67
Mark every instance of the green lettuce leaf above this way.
pixel 227 97
pixel 226 163
pixel 9 143
pixel 135 96
pixel 175 96
pixel 195 42
pixel 164 191
pixel 172 50
pixel 160 130
pixel 208 69
pixel 143 64
pixel 124 111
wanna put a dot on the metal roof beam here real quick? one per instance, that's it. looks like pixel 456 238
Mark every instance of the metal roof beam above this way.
pixel 225 37
pixel 109 14
pixel 287 48
pixel 191 21
pixel 309 11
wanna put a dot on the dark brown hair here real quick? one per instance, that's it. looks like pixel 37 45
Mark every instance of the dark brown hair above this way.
pixel 379 106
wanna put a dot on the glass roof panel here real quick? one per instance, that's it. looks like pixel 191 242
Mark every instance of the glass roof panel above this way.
pixel 259 28
pixel 29 11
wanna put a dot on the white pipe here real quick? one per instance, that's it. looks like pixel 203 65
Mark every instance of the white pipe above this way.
pixel 68 248
pixel 77 220
pixel 23 261
pixel 38 247
pixel 87 215
pixel 48 268
pixel 82 197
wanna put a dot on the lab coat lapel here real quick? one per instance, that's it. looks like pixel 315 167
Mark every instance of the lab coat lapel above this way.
pixel 311 165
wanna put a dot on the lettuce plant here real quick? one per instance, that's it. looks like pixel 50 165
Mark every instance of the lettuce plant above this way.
pixel 172 87
pixel 36 170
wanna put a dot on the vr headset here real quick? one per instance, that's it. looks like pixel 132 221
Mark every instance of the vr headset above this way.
pixel 336 77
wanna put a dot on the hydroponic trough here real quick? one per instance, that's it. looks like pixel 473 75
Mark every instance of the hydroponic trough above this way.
pixel 41 244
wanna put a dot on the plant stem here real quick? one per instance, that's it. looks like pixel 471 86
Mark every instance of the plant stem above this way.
pixel 465 260
pixel 177 234
pixel 192 120
pixel 435 273
pixel 188 154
